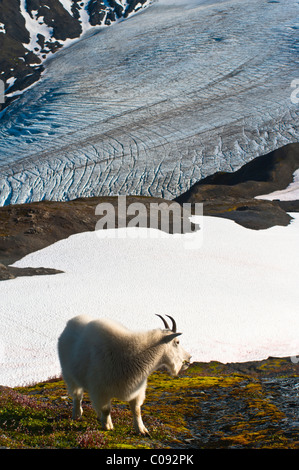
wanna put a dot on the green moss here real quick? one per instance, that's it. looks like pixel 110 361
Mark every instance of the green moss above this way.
pixel 204 406
pixel 274 364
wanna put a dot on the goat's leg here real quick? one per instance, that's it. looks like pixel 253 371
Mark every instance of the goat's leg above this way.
pixel 103 409
pixel 77 400
pixel 135 405
pixel 106 417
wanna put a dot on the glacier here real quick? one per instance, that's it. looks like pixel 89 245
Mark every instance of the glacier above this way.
pixel 155 102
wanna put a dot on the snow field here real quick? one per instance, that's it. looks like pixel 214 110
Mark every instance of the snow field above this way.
pixel 235 298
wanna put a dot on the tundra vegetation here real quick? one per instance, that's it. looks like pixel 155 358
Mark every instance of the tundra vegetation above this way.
pixel 210 405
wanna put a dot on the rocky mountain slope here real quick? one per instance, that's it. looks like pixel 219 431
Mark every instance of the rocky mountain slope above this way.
pixel 32 30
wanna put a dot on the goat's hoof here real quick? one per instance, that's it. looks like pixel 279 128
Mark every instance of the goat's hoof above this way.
pixel 144 432
pixel 107 427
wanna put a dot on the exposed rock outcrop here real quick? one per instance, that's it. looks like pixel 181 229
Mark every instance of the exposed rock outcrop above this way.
pixel 232 195
pixel 32 30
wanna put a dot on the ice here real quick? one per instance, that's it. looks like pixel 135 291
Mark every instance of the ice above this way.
pixel 154 103
pixel 234 295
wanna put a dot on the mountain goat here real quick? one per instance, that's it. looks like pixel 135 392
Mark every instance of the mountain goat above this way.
pixel 109 361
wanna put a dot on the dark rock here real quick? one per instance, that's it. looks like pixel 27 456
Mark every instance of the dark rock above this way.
pixel 110 17
pixel 133 5
pixel 55 16
pixel 11 272
pixel 288 206
pixel 117 8
pixel 231 195
pixel 25 65
pixel 96 10
pixel 15 58
pixel 5 273
pixel 30 227
pixel 15 26
pixel 254 214
pixel 262 175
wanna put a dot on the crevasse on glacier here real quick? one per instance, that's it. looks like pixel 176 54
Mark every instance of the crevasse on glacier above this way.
pixel 154 103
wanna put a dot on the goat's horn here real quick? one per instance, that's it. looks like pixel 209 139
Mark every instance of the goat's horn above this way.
pixel 173 323
pixel 164 321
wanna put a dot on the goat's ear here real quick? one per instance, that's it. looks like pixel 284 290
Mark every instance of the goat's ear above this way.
pixel 170 337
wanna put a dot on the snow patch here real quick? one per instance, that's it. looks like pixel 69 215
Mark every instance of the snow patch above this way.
pixel 291 193
pixel 67 5
pixel 10 81
pixel 234 299
pixel 35 26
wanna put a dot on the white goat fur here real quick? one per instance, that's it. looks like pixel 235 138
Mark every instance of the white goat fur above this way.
pixel 109 361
